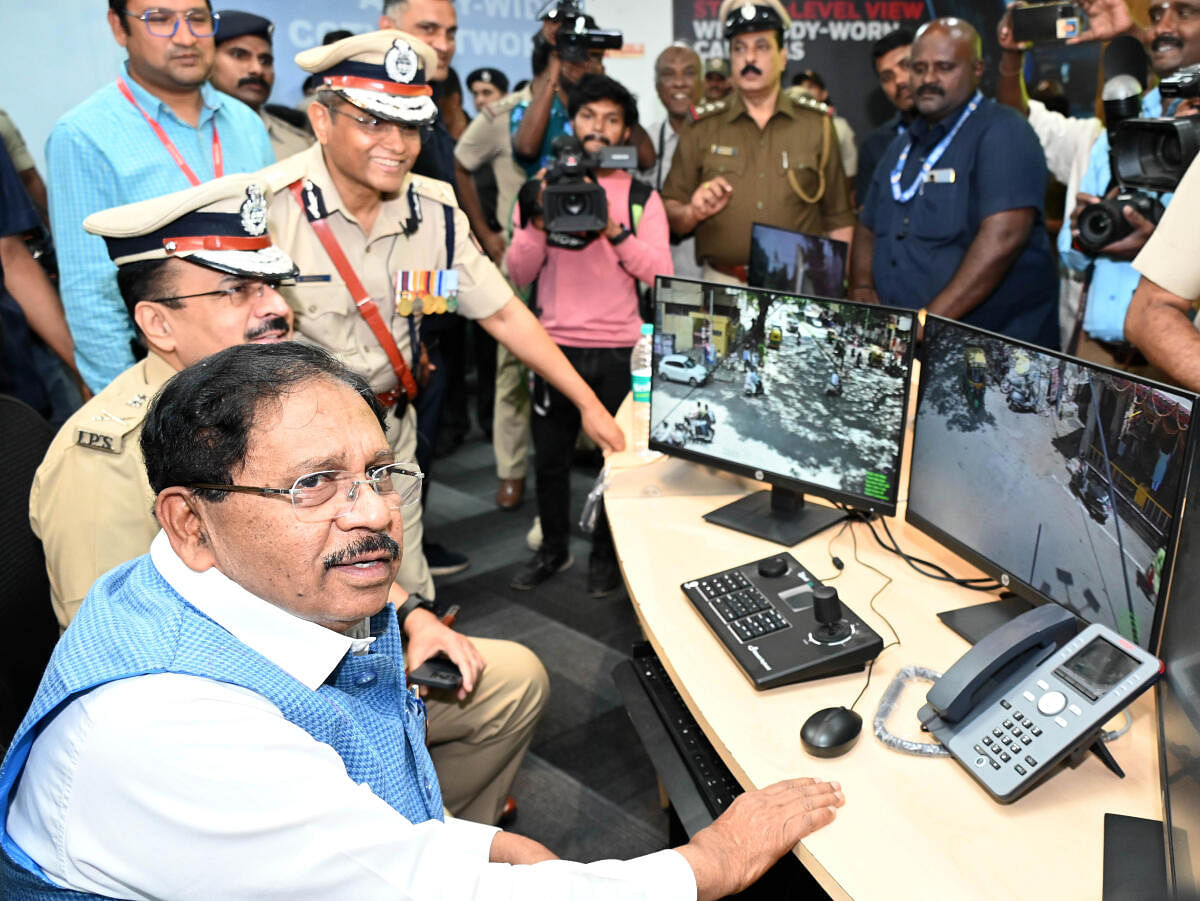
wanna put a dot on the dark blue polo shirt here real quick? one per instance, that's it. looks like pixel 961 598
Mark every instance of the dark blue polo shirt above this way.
pixel 873 147
pixel 998 165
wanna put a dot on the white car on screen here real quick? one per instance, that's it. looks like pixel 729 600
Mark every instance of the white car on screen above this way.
pixel 679 368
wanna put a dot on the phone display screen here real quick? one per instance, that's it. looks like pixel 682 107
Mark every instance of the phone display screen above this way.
pixel 1046 22
pixel 1100 666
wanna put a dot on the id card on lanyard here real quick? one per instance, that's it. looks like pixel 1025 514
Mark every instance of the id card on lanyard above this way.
pixel 160 133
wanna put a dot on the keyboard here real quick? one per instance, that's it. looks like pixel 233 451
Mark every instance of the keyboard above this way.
pixel 762 612
pixel 717 785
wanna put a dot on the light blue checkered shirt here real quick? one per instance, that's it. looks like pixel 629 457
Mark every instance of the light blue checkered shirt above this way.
pixel 103 154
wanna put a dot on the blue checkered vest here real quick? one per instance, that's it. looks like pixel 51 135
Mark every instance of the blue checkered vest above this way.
pixel 133 623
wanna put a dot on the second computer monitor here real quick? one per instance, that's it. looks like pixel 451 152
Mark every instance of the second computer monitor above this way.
pixel 1060 478
pixel 796 262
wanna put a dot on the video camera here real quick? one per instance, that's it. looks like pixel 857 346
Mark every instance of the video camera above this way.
pixel 1103 223
pixel 1154 153
pixel 571 200
pixel 577 35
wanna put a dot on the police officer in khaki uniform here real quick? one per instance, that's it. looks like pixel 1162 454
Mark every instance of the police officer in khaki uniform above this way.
pixel 759 155
pixel 374 243
pixel 197 271
pixel 244 67
pixel 91 503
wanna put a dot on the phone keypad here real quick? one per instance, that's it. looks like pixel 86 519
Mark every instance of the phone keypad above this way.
pixel 1008 740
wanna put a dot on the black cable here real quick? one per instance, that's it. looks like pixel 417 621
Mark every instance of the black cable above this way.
pixel 871 603
pixel 985 583
pixel 838 565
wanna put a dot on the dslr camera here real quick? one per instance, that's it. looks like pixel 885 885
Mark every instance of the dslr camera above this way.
pixel 577 35
pixel 571 200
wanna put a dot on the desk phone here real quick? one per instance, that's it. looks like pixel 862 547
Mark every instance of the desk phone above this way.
pixel 1031 695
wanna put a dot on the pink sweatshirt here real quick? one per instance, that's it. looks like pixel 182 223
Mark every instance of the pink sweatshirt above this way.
pixel 588 297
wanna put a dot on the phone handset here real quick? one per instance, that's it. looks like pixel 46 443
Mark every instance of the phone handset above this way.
pixel 953 696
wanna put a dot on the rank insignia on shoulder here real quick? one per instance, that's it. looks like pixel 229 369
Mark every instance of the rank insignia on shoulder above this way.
pixel 803 100
pixel 708 108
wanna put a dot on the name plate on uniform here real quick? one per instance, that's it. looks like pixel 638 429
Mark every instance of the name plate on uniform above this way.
pixel 940 177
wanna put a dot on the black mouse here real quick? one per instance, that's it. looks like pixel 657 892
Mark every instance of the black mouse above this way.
pixel 831 732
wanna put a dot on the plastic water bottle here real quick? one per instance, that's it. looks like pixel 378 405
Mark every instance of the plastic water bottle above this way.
pixel 639 369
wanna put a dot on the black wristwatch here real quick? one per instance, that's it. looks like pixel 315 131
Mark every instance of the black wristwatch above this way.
pixel 414 601
pixel 621 236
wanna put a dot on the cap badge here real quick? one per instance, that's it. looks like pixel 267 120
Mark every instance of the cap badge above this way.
pixel 254 212
pixel 400 62
pixel 748 12
pixel 485 75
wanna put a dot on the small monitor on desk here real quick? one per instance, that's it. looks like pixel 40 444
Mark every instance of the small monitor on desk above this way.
pixel 806 393
pixel 783 260
pixel 1060 478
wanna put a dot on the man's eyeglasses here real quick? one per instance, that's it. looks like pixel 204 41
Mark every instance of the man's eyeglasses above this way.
pixel 163 23
pixel 239 294
pixel 372 125
pixel 328 495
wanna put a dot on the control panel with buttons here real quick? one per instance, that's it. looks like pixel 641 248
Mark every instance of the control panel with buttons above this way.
pixel 781 624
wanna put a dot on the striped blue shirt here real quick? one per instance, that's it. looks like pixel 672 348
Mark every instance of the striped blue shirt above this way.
pixel 103 154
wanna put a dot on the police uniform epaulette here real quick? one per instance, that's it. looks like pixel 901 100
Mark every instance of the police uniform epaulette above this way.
pixel 441 191
pixel 105 427
pixel 709 108
pixel 281 174
pixel 802 100
pixel 504 105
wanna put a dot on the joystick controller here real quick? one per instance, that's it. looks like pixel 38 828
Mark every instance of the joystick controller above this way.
pixel 827 608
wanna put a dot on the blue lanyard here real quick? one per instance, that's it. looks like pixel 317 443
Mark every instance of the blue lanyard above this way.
pixel 930 161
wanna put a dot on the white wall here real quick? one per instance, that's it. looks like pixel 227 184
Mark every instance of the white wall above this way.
pixel 57 52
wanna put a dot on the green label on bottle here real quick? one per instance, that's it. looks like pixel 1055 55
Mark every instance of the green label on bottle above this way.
pixel 641 388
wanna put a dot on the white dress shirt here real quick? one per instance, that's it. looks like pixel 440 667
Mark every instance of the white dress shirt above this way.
pixel 1067 142
pixel 173 786
pixel 666 139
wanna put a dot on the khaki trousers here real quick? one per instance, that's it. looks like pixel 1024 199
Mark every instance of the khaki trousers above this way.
pixel 477 745
pixel 510 416
pixel 414 575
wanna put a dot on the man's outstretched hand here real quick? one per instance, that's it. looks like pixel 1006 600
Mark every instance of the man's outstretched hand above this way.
pixel 758 828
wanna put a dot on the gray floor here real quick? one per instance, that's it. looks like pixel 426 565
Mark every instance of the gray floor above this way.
pixel 586 789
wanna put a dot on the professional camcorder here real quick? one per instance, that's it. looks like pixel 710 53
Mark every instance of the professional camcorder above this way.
pixel 1154 153
pixel 577 35
pixel 1103 223
pixel 571 199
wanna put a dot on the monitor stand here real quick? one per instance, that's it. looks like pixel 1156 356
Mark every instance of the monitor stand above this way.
pixel 1134 859
pixel 778 515
pixel 972 623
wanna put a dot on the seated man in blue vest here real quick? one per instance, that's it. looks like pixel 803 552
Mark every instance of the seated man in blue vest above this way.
pixel 197 271
pixel 207 728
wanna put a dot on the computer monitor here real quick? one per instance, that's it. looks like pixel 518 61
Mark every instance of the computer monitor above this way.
pixel 1179 704
pixel 783 260
pixel 806 393
pixel 1060 478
